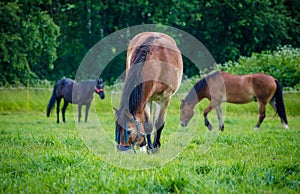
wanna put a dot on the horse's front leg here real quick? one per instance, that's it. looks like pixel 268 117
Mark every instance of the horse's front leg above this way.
pixel 79 112
pixel 64 110
pixel 206 111
pixel 87 108
pixel 220 117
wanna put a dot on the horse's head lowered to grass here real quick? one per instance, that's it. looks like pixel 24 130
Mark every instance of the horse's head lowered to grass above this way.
pixel 129 132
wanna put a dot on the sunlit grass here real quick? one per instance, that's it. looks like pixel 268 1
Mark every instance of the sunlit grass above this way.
pixel 37 155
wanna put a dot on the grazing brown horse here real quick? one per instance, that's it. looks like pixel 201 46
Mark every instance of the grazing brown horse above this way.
pixel 153 74
pixel 81 93
pixel 221 87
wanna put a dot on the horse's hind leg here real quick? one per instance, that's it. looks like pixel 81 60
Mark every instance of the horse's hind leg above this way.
pixel 57 109
pixel 262 113
pixel 148 125
pixel 220 117
pixel 160 111
pixel 64 110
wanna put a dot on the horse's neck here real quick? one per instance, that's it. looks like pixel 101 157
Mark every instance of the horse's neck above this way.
pixel 194 97
pixel 194 101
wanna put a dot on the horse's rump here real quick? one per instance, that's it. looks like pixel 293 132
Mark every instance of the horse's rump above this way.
pixel 162 62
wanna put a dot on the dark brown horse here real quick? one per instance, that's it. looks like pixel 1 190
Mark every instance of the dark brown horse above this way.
pixel 221 87
pixel 153 74
pixel 81 93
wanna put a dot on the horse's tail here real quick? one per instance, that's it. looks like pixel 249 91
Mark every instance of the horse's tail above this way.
pixel 51 101
pixel 280 109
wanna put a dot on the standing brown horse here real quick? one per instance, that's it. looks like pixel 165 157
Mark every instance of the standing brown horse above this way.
pixel 153 74
pixel 239 89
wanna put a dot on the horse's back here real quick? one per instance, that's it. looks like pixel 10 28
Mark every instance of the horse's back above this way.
pixel 63 89
pixel 83 92
pixel 65 81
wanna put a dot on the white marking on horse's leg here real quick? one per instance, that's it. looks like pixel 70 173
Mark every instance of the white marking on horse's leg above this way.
pixel 143 149
pixel 285 126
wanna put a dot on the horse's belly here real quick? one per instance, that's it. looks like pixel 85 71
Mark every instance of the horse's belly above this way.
pixel 162 92
pixel 240 99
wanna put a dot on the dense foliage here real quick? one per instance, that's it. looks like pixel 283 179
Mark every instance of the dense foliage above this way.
pixel 283 64
pixel 28 43
pixel 48 39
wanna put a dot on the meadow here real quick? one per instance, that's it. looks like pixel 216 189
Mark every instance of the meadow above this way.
pixel 37 155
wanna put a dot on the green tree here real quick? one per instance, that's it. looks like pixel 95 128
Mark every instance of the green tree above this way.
pixel 28 43
pixel 233 28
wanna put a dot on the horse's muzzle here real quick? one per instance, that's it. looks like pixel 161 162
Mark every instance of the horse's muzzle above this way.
pixel 183 123
pixel 102 95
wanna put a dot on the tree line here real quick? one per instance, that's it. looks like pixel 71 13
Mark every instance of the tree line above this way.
pixel 47 39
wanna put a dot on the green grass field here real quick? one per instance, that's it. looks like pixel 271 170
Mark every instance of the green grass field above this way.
pixel 39 156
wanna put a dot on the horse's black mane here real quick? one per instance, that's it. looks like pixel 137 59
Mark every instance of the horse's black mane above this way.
pixel 133 88
pixel 199 86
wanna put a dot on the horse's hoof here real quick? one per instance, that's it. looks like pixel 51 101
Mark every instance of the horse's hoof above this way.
pixel 256 128
pixel 123 148
pixel 285 126
pixel 221 128
pixel 150 151
pixel 156 150
pixel 210 127
pixel 156 145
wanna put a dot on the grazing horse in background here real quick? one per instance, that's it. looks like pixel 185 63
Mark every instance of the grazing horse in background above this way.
pixel 221 87
pixel 81 93
pixel 153 74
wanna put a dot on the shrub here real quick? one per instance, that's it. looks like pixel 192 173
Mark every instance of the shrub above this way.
pixel 283 64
